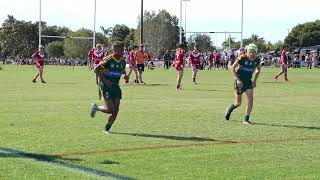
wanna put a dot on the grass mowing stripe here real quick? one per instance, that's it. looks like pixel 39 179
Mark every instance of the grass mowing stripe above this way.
pixel 185 145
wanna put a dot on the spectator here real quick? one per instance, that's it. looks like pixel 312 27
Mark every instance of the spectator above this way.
pixel 167 60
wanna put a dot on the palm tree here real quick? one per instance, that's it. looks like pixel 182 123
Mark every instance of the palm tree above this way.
pixel 106 32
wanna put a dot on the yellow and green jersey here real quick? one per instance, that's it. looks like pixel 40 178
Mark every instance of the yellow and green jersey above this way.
pixel 113 67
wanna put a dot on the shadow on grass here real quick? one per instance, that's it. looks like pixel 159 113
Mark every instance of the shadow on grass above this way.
pixel 57 161
pixel 208 90
pixel 108 162
pixel 288 126
pixel 283 125
pixel 155 84
pixel 176 138
pixel 65 83
pixel 270 82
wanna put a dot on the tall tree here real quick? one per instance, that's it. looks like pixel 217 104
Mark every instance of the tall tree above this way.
pixel 161 31
pixel 55 49
pixel 304 35
pixel 203 42
pixel 18 37
pixel 78 47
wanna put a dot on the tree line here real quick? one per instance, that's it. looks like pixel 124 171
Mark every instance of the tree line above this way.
pixel 161 32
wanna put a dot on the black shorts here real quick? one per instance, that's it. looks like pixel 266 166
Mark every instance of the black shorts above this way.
pixel 245 86
pixel 140 67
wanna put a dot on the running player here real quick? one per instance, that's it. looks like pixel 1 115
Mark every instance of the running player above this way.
pixel 38 56
pixel 242 70
pixel 132 64
pixel 284 66
pixel 194 60
pixel 109 71
pixel 179 64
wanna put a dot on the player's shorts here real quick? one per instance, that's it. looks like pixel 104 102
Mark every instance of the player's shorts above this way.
pixel 179 67
pixel 40 65
pixel 195 67
pixel 216 62
pixel 110 93
pixel 245 86
pixel 132 66
pixel 140 67
pixel 284 65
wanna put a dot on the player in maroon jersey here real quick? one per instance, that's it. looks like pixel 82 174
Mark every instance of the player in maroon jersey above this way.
pixel 179 64
pixel 194 60
pixel 284 66
pixel 89 58
pixel 38 56
pixel 132 63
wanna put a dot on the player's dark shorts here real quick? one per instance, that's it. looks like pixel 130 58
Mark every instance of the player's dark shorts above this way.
pixel 140 67
pixel 110 93
pixel 247 84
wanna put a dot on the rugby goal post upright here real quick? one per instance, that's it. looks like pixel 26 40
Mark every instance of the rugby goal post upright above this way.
pixel 71 37
pixel 241 32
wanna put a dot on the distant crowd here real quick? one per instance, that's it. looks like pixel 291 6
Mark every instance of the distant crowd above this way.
pixel 209 60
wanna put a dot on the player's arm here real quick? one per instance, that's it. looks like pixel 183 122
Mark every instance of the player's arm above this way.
pixel 234 66
pixel 100 71
pixel 254 82
pixel 234 73
pixel 125 76
pixel 33 56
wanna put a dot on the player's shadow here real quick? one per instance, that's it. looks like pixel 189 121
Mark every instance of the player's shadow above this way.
pixel 156 85
pixel 58 161
pixel 176 138
pixel 270 82
pixel 207 90
pixel 288 126
pixel 65 83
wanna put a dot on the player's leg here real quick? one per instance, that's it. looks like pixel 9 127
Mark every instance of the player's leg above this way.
pixel 180 75
pixel 135 70
pixel 249 93
pixel 36 76
pixel 286 74
pixel 113 116
pixel 237 102
pixel 194 73
pixel 279 74
pixel 41 74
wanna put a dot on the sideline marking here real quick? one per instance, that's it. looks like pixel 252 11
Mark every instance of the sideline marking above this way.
pixel 58 161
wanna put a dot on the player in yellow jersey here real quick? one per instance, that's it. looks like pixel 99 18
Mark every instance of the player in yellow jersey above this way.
pixel 109 72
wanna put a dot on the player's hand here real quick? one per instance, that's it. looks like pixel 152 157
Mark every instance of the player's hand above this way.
pixel 254 84
pixel 126 78
pixel 239 84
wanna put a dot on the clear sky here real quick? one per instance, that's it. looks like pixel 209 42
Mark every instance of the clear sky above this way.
pixel 270 19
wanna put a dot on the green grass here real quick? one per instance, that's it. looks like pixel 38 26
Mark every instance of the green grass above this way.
pixel 46 131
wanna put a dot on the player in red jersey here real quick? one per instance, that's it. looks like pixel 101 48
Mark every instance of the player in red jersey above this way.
pixel 89 58
pixel 38 56
pixel 97 56
pixel 284 66
pixel 179 64
pixel 132 63
pixel 194 60
pixel 211 58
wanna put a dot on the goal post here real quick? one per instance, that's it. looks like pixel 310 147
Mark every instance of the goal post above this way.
pixel 93 38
